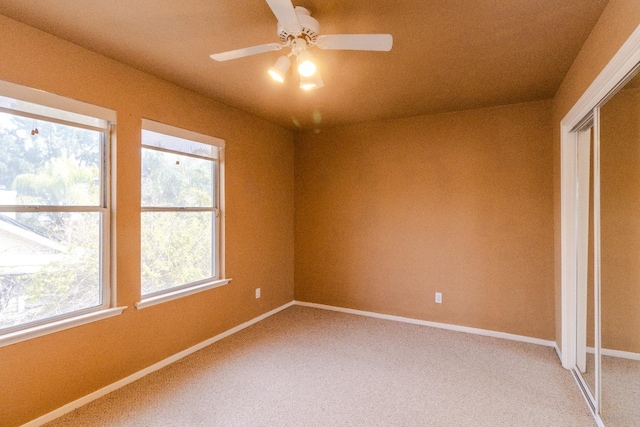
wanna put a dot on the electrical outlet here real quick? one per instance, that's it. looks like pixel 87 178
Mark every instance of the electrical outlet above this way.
pixel 257 293
pixel 438 297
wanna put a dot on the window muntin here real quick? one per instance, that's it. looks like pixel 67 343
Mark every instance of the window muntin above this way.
pixel 180 219
pixel 54 223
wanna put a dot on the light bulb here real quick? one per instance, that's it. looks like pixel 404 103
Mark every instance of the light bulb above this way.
pixel 275 75
pixel 307 86
pixel 306 67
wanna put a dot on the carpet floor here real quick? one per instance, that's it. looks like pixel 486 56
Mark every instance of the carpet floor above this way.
pixel 620 389
pixel 310 367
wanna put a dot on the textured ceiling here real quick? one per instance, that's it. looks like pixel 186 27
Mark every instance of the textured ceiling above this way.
pixel 447 54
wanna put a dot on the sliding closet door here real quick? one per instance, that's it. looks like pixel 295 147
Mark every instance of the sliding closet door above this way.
pixel 600 239
pixel 620 260
pixel 608 256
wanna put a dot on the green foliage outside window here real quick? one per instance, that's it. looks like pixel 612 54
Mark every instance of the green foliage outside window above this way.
pixel 49 261
pixel 177 246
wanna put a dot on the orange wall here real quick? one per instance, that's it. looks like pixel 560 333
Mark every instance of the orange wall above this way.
pixel 388 213
pixel 619 19
pixel 42 374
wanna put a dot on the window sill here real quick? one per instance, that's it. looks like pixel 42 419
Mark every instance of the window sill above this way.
pixel 58 325
pixel 159 299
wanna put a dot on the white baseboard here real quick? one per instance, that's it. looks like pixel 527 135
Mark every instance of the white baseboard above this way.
pixel 558 351
pixel 616 353
pixel 146 371
pixel 469 330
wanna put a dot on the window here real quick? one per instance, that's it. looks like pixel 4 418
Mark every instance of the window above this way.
pixel 54 210
pixel 181 215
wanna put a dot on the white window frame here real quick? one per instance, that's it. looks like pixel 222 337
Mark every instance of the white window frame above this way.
pixel 219 278
pixel 107 308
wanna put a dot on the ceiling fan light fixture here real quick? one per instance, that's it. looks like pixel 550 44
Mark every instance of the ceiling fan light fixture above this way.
pixel 298 31
pixel 306 66
pixel 279 70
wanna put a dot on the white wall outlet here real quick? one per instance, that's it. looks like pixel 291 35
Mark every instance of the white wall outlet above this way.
pixel 438 297
pixel 257 293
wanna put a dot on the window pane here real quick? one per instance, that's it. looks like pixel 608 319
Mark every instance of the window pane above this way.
pixel 45 163
pixel 49 264
pixel 174 180
pixel 177 249
pixel 173 143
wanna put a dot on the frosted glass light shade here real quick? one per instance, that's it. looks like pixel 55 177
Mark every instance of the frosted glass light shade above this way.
pixel 279 70
pixel 310 83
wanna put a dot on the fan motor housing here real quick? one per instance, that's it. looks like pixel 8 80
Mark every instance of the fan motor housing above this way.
pixel 310 27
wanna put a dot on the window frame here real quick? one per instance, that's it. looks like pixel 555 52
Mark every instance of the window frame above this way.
pixel 107 308
pixel 218 279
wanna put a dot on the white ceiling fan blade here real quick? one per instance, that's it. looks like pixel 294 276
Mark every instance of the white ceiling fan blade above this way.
pixel 247 51
pixel 378 42
pixel 286 14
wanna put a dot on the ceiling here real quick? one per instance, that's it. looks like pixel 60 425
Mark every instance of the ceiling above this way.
pixel 447 55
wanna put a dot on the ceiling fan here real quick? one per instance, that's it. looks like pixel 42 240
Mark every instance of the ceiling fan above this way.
pixel 298 31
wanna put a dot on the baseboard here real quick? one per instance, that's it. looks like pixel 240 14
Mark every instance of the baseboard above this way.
pixel 146 371
pixel 558 351
pixel 616 353
pixel 469 330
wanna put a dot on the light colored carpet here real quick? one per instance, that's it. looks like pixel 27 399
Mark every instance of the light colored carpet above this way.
pixel 620 392
pixel 310 367
pixel 589 375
